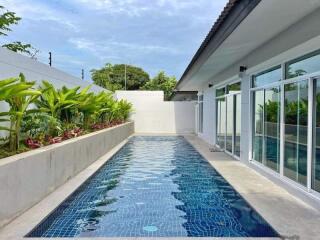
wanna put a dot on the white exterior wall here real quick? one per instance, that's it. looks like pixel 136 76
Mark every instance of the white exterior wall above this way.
pixel 274 53
pixel 209 128
pixel 154 115
pixel 301 38
pixel 12 64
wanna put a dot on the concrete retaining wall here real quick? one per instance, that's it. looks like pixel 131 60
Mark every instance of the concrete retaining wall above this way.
pixel 154 115
pixel 25 179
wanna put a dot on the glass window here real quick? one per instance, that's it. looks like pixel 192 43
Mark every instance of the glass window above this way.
pixel 272 128
pixel 221 123
pixel 257 138
pixel 296 128
pixel 220 92
pixel 268 77
pixel 230 119
pixel 307 64
pixel 237 125
pixel 234 88
pixel 266 135
pixel 316 144
pixel 200 120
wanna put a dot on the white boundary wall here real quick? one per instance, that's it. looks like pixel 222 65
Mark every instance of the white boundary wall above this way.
pixel 154 115
pixel 12 64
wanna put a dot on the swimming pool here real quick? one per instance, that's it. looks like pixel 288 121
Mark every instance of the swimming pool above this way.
pixel 156 187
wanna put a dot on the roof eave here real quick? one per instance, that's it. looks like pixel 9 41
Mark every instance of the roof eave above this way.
pixel 230 18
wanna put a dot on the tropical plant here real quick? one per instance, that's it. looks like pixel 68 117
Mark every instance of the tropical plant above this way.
pixel 19 104
pixel 106 107
pixel 89 106
pixel 57 114
pixel 125 108
pixel 58 103
pixel 6 92
pixel 38 125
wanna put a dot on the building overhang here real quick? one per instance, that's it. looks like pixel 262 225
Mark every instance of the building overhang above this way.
pixel 243 26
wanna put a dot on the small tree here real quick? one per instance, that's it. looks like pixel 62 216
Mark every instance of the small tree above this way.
pixel 19 104
pixel 7 19
pixel 161 82
pixel 112 77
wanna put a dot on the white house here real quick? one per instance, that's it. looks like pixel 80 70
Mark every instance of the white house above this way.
pixel 257 74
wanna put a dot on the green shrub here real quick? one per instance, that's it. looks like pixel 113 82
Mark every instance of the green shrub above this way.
pixel 59 113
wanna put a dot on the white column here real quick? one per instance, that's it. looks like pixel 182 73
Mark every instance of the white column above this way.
pixel 245 119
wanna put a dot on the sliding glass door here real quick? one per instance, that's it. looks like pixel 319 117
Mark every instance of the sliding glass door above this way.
pixel 230 123
pixel 258 120
pixel 272 128
pixel 315 182
pixel 237 122
pixel 285 113
pixel 266 122
pixel 228 118
pixel 296 131
pixel 221 122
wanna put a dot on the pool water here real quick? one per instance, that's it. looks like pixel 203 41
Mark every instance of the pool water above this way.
pixel 156 187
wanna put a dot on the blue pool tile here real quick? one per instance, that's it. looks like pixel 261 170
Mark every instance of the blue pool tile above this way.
pixel 155 187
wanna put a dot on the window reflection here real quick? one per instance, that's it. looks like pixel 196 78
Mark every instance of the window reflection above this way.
pixel 316 145
pixel 258 99
pixel 296 120
pixel 221 122
pixel 304 65
pixel 200 120
pixel 271 76
pixel 230 119
pixel 266 136
pixel 237 125
pixel 272 128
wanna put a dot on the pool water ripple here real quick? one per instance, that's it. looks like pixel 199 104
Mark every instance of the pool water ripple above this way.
pixel 155 186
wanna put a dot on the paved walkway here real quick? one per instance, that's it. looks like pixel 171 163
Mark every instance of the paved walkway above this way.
pixel 287 214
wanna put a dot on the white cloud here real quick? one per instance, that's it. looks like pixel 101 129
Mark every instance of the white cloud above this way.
pixel 116 50
pixel 36 11
pixel 128 7
pixel 155 34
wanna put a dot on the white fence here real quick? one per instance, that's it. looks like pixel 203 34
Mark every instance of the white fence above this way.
pixel 12 64
pixel 154 115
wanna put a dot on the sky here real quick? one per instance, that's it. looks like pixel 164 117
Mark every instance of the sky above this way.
pixel 86 34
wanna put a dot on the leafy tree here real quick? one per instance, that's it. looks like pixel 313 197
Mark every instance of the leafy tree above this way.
pixel 7 19
pixel 22 48
pixel 161 82
pixel 112 77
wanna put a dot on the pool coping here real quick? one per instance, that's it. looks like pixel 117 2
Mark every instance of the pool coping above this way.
pixel 23 224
